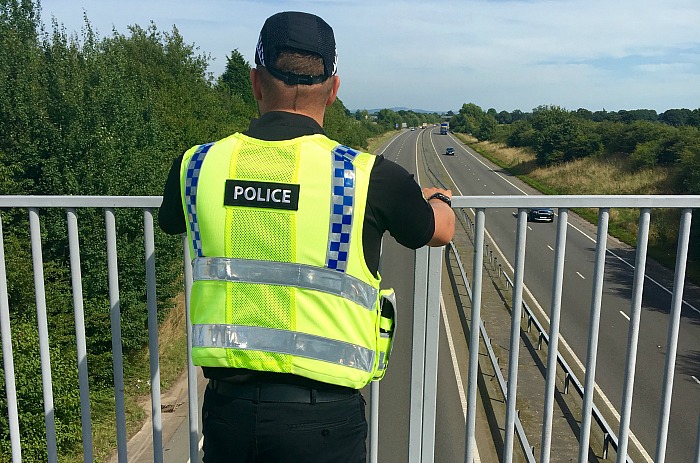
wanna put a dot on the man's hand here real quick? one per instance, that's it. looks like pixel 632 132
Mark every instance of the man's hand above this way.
pixel 444 217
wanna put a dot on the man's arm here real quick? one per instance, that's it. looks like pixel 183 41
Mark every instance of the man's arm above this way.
pixel 171 217
pixel 444 216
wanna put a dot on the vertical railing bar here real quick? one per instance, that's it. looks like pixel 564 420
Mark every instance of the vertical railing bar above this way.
pixel 697 445
pixel 150 256
pixel 470 428
pixel 374 422
pixel 633 334
pixel 115 322
pixel 593 330
pixel 415 431
pixel 516 311
pixel 42 323
pixel 552 349
pixel 8 359
pixel 80 341
pixel 527 449
pixel 192 387
pixel 374 403
pixel 672 339
pixel 432 338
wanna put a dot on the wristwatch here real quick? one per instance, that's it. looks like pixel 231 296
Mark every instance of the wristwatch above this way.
pixel 442 197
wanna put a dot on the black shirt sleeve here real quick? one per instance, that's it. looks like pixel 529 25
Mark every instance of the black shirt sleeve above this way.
pixel 171 217
pixel 395 204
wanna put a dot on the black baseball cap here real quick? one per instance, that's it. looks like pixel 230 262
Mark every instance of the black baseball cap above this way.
pixel 296 31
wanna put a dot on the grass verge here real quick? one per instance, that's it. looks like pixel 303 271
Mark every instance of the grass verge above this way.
pixel 610 175
pixel 373 144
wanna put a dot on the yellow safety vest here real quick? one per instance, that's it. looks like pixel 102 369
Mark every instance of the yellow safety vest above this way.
pixel 280 279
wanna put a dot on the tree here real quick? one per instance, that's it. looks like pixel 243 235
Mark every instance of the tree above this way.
pixel 561 136
pixel 518 115
pixel 236 79
pixel 522 134
pixel 487 128
pixel 583 113
pixel 388 119
pixel 504 117
pixel 676 117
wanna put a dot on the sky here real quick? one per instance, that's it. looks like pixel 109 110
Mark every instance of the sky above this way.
pixel 438 55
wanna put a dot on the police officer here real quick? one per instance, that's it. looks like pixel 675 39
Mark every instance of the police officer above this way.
pixel 285 228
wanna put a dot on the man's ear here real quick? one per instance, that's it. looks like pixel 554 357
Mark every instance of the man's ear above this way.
pixel 255 84
pixel 335 85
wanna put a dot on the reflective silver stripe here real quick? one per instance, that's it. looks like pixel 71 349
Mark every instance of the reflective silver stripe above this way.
pixel 383 354
pixel 283 342
pixel 285 274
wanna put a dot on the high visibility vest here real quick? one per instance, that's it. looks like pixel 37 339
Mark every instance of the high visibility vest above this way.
pixel 280 279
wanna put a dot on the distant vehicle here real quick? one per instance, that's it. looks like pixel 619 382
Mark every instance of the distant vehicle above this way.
pixel 444 127
pixel 413 129
pixel 449 151
pixel 540 214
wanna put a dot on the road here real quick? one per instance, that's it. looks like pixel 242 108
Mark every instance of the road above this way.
pixel 475 176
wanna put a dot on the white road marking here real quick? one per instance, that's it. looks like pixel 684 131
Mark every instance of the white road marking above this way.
pixel 455 366
pixel 696 380
pixel 579 274
pixel 625 315
pixel 632 267
pixel 550 248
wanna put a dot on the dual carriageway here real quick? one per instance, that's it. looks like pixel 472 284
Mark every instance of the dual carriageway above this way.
pixel 468 174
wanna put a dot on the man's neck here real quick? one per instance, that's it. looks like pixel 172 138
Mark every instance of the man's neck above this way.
pixel 317 117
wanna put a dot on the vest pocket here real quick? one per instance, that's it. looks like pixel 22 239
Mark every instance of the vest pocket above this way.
pixel 387 328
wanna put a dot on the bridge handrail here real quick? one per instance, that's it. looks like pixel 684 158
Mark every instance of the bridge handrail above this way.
pixel 480 203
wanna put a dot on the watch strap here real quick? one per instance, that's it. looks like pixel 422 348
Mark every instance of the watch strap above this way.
pixel 442 197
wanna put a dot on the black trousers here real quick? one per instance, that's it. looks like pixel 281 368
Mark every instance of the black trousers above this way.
pixel 253 428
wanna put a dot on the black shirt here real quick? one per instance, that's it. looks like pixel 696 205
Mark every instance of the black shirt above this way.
pixel 394 203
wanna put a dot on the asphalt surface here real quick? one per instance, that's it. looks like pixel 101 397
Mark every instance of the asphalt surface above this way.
pixel 475 176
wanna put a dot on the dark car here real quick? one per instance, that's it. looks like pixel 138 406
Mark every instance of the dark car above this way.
pixel 449 151
pixel 540 214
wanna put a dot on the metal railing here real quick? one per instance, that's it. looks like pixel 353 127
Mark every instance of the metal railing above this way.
pixel 428 271
pixel 604 204
pixel 570 377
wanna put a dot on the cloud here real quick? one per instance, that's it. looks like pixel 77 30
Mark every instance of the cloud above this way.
pixel 439 55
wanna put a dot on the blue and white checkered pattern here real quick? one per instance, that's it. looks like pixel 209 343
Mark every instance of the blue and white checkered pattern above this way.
pixel 342 202
pixel 191 181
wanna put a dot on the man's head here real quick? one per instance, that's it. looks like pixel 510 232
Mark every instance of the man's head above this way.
pixel 301 33
pixel 296 64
